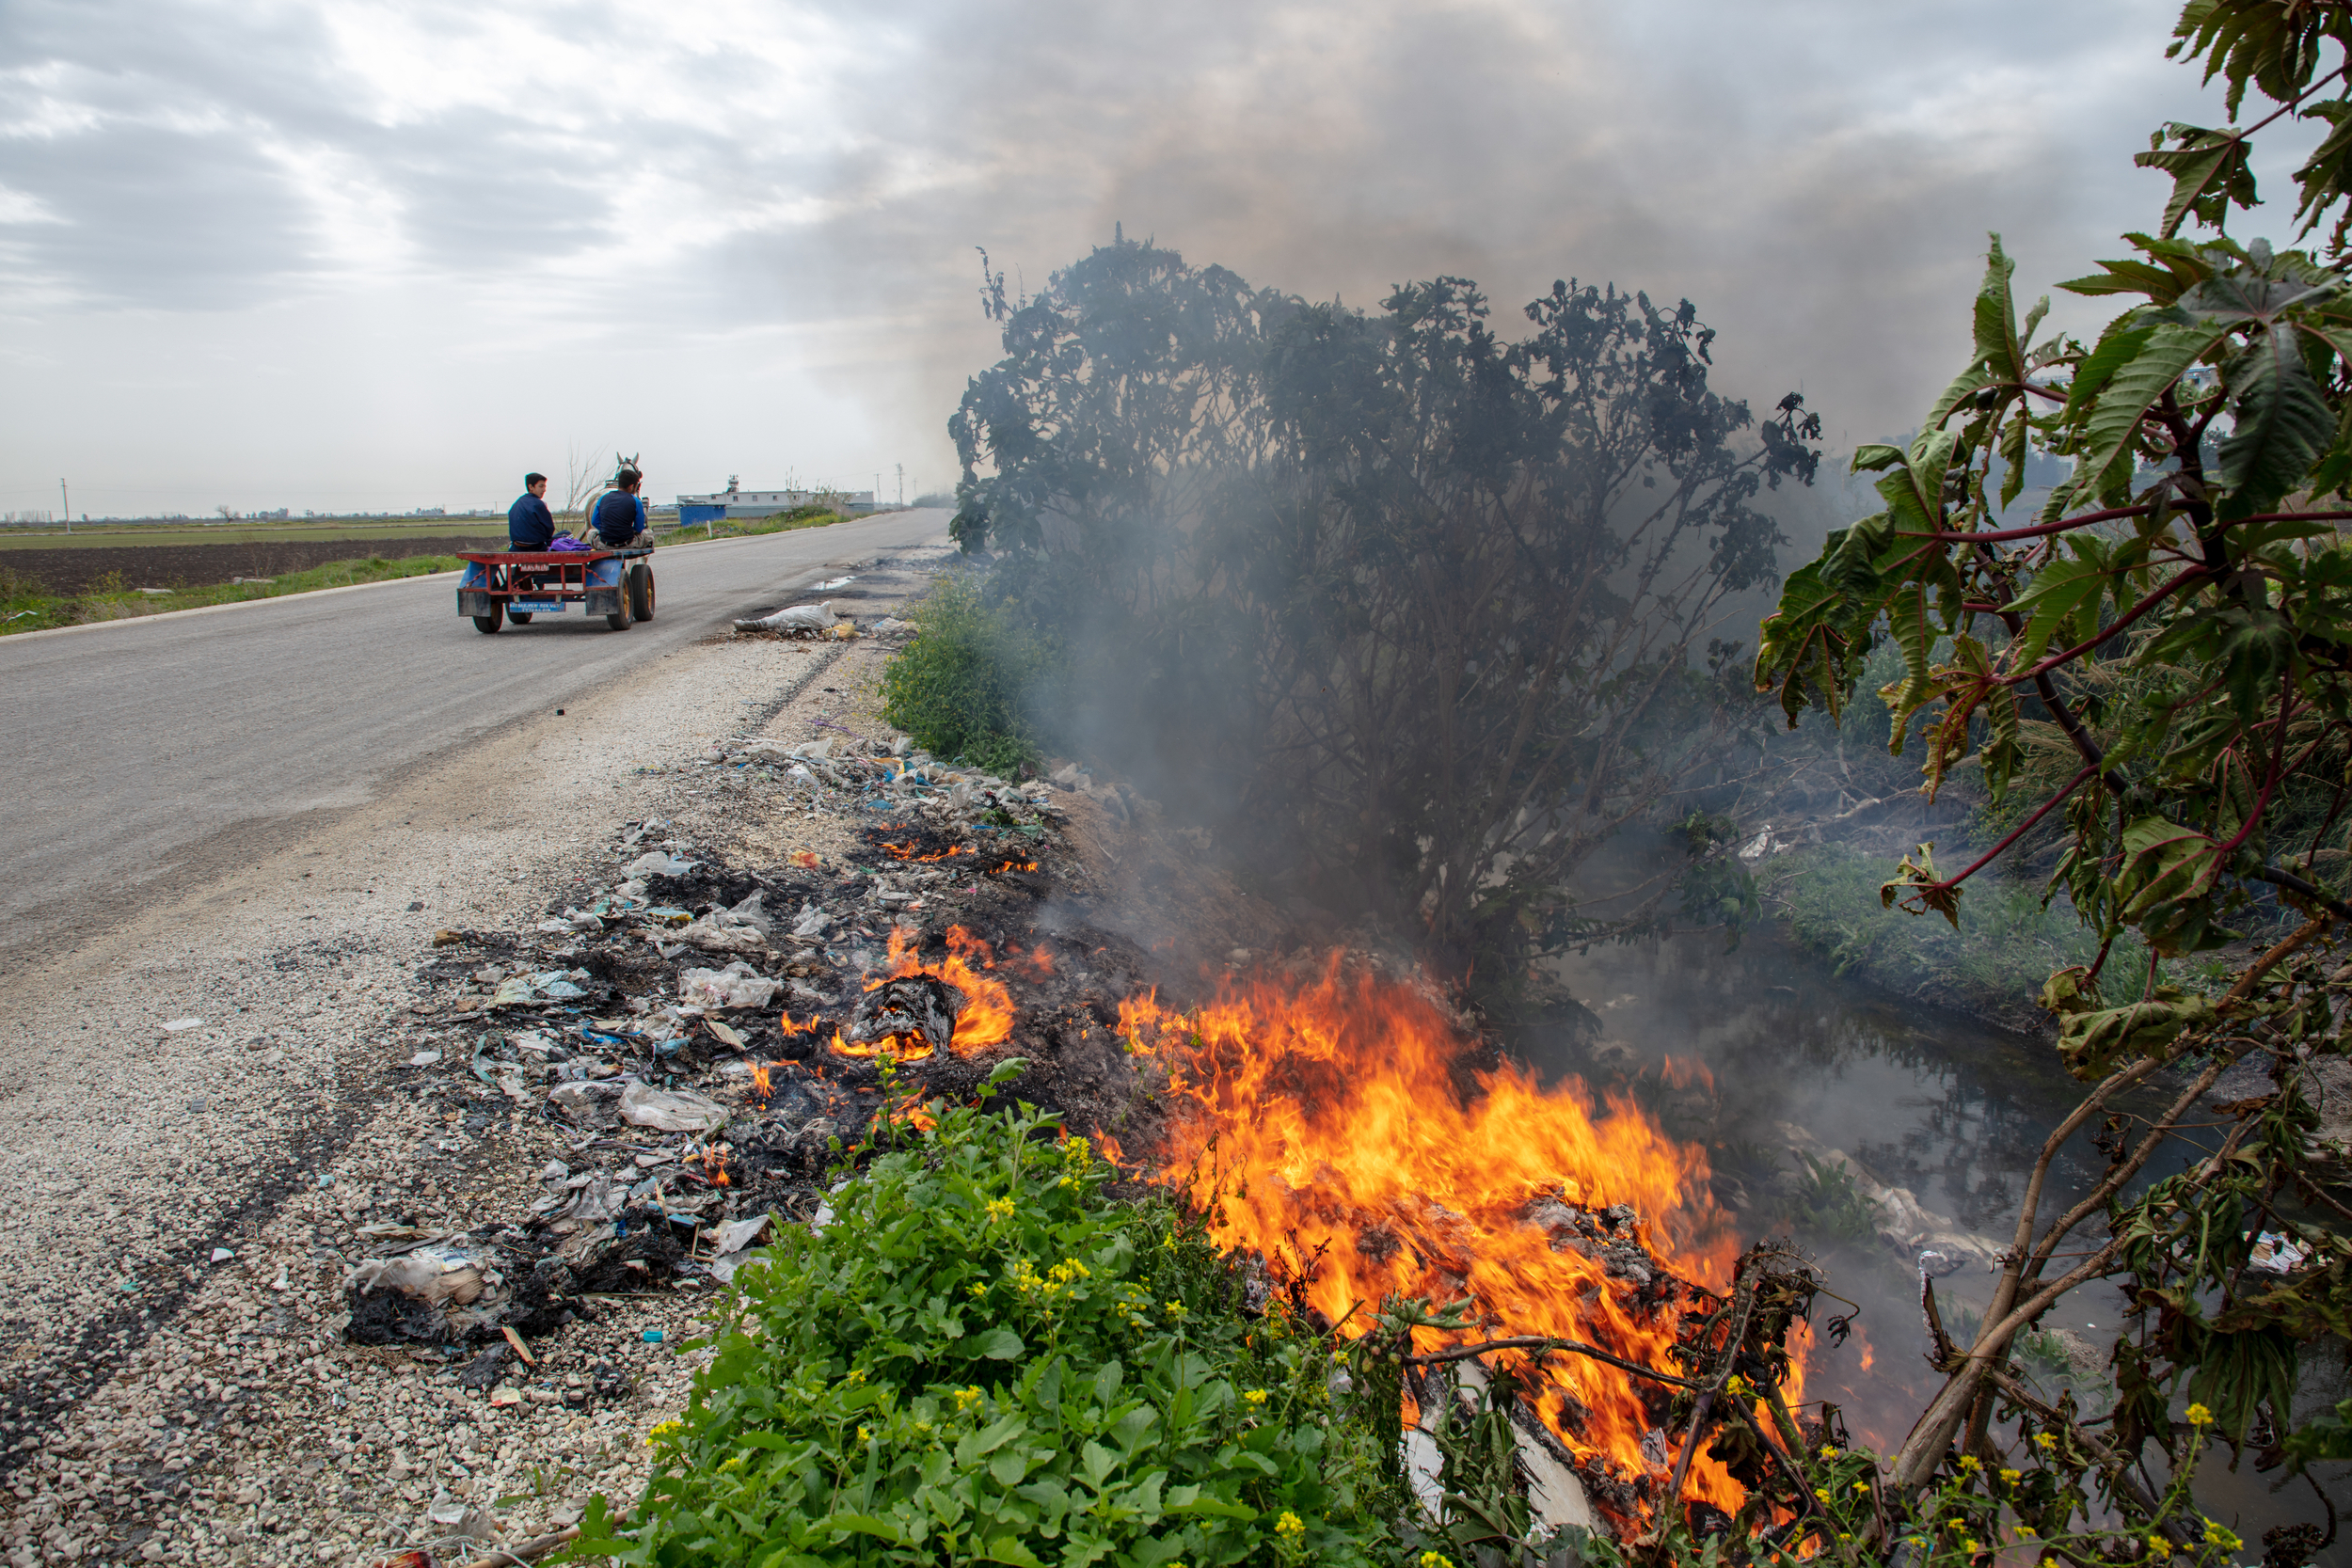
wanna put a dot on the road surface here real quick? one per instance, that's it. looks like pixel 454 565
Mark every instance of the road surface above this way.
pixel 144 755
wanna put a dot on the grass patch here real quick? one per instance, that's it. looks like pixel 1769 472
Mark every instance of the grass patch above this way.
pixel 24 606
pixel 960 689
pixel 744 528
pixel 989 1355
pixel 1993 964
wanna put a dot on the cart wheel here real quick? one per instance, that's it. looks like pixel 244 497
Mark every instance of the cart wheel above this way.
pixel 620 618
pixel 519 617
pixel 486 624
pixel 641 593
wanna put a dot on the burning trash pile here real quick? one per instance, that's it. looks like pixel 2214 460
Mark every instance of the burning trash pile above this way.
pixel 708 1041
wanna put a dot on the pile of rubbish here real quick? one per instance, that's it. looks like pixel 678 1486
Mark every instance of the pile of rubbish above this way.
pixel 710 1039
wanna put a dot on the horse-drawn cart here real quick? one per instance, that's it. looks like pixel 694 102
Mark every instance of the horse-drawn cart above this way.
pixel 516 585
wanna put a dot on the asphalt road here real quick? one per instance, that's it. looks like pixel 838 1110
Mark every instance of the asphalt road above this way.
pixel 143 753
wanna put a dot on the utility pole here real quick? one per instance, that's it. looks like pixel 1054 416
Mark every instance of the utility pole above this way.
pixel 902 482
pixel 66 502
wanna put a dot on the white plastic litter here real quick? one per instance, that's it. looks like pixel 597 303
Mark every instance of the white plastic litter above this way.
pixel 813 922
pixel 670 1110
pixel 733 1240
pixel 800 617
pixel 659 862
pixel 175 1025
pixel 738 984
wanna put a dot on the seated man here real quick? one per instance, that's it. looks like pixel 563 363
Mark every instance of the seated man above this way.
pixel 529 523
pixel 620 516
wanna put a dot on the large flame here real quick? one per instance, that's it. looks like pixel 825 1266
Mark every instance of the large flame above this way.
pixel 1336 1126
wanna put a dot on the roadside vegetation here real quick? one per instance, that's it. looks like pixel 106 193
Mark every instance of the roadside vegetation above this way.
pixel 992 1352
pixel 969 687
pixel 24 606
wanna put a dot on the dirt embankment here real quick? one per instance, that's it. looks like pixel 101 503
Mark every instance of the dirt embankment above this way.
pixel 83 571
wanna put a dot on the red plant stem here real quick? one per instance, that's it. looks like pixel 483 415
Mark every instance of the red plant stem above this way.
pixel 2040 812
pixel 2042 531
pixel 2195 574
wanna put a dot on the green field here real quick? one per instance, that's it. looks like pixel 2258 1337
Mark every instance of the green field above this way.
pixel 307 530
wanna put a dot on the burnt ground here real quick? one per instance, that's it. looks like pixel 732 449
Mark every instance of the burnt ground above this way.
pixel 83 571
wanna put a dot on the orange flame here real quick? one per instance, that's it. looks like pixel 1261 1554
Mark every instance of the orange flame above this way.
pixel 1340 1113
pixel 985 1020
pixel 907 852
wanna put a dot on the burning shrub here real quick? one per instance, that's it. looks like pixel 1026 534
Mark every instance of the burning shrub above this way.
pixel 985 1354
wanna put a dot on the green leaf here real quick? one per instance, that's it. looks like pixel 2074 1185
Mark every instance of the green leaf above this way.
pixel 2111 436
pixel 2209 171
pixel 1008 1548
pixel 2283 423
pixel 2064 588
pixel 998 1344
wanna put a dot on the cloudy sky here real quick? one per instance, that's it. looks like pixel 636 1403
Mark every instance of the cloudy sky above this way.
pixel 389 253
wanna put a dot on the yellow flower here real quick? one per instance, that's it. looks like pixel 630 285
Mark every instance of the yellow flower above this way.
pixel 662 1429
pixel 1000 1209
pixel 1077 1151
pixel 1339 1358
pixel 1970 1464
pixel 1844 1537
pixel 922 1429
pixel 1862 1486
pixel 1289 1525
pixel 2027 1531
pixel 865 1435
pixel 1823 1493
pixel 1829 1450
pixel 2046 1441
pixel 1256 1396
pixel 1968 1544
pixel 2199 1416
pixel 2010 1478
pixel 735 1464
pixel 1436 1559
pixel 1175 1309
pixel 2216 1535
pixel 854 1376
pixel 2159 1547
pixel 967 1398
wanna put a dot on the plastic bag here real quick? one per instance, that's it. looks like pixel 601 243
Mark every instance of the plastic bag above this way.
pixel 738 984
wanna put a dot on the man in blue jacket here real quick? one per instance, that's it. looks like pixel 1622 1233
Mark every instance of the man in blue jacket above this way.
pixel 620 516
pixel 529 526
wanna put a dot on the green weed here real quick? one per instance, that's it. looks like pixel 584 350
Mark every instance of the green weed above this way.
pixel 987 1356
pixel 960 689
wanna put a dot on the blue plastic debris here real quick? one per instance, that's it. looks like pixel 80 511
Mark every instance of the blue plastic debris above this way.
pixel 652 1335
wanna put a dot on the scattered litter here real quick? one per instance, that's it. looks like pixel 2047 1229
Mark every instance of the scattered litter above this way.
pixel 651 1336
pixel 2274 1253
pixel 659 862
pixel 424 1058
pixel 733 1240
pixel 670 1111
pixel 738 984
pixel 176 1025
pixel 222 1255
pixel 799 619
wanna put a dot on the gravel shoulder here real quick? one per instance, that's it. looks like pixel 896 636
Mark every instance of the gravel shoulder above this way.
pixel 200 1105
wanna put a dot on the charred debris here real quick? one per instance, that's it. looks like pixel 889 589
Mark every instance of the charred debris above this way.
pixel 710 1039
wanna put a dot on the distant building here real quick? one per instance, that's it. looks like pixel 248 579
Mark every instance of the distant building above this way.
pixel 736 502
